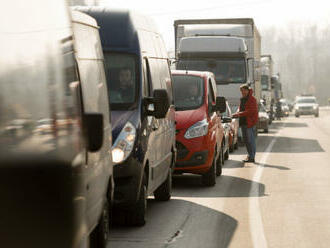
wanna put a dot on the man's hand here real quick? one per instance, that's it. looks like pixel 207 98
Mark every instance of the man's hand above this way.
pixel 236 115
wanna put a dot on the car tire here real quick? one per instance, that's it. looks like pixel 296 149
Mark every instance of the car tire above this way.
pixel 100 235
pixel 236 144
pixel 297 116
pixel 317 115
pixel 163 192
pixel 232 148
pixel 209 178
pixel 266 130
pixel 226 156
pixel 220 163
pixel 136 215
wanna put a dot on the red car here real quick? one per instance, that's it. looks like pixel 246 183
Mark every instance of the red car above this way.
pixel 199 133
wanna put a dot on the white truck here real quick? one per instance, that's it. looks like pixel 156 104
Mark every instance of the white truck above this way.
pixel 267 92
pixel 230 48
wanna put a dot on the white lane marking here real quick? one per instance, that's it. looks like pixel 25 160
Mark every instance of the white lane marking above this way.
pixel 255 218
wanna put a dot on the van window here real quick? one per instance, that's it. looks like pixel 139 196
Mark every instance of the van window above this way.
pixel 166 78
pixel 155 74
pixel 188 92
pixel 210 96
pixel 146 79
pixel 211 92
pixel 122 79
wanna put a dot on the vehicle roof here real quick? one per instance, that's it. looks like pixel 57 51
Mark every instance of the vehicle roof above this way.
pixel 192 73
pixel 80 17
pixel 126 31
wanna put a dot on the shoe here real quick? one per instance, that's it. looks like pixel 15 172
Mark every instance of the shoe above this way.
pixel 248 160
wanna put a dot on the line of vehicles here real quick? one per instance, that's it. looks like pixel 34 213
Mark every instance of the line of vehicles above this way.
pixel 94 119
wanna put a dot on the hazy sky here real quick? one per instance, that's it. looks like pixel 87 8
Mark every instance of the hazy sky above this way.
pixel 265 12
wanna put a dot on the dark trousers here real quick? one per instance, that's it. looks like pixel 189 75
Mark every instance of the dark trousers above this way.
pixel 249 140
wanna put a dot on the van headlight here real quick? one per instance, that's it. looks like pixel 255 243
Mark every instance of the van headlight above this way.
pixel 199 129
pixel 315 107
pixel 124 143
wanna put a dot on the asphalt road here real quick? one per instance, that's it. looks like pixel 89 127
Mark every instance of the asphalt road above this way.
pixel 283 200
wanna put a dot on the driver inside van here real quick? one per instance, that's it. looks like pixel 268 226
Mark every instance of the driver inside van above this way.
pixel 126 85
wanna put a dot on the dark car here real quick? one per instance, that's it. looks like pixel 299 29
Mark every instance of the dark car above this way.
pixel 56 186
pixel 142 110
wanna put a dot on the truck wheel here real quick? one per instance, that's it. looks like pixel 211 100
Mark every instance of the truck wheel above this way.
pixel 136 215
pixel 163 192
pixel 100 235
pixel 220 163
pixel 209 178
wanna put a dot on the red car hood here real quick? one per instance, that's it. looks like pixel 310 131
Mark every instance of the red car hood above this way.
pixel 185 119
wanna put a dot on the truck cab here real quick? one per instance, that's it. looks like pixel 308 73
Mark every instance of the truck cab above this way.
pixel 226 57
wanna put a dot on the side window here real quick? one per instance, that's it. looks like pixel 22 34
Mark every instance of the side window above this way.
pixel 210 96
pixel 167 79
pixel 211 92
pixel 155 74
pixel 146 78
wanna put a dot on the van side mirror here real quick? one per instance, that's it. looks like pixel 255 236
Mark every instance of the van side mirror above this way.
pixel 220 104
pixel 93 125
pixel 158 105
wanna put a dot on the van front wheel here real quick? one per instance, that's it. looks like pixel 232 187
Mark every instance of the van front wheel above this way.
pixel 163 192
pixel 100 235
pixel 136 215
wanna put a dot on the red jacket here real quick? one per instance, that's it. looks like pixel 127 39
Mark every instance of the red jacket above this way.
pixel 251 111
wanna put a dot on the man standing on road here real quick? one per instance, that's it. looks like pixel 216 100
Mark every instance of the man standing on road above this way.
pixel 248 119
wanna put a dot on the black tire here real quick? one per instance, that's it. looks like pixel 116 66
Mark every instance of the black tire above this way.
pixel 297 116
pixel 136 215
pixel 209 178
pixel 317 115
pixel 163 192
pixel 220 162
pixel 226 156
pixel 266 130
pixel 236 144
pixel 232 148
pixel 100 235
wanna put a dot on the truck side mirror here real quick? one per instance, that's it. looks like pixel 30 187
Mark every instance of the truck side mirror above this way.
pixel 220 104
pixel 93 125
pixel 158 105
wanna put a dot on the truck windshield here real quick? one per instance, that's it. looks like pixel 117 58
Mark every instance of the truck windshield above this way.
pixel 264 82
pixel 188 92
pixel 225 70
pixel 122 80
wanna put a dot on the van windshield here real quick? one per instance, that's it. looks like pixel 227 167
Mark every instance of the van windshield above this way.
pixel 225 70
pixel 122 80
pixel 188 92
